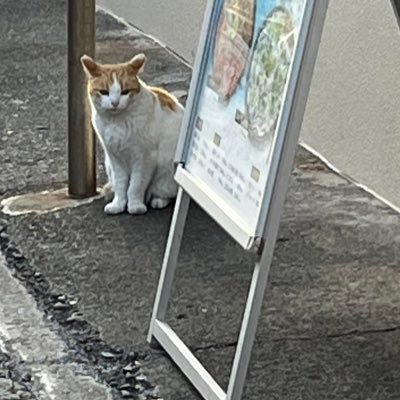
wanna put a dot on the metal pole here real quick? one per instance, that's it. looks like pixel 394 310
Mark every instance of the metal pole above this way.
pixel 81 141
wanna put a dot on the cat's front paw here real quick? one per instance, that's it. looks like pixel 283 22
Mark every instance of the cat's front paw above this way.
pixel 137 208
pixel 114 208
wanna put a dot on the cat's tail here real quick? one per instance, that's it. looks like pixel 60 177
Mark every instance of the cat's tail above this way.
pixel 107 192
pixel 181 96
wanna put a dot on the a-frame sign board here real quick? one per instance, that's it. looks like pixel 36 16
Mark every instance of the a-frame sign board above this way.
pixel 237 147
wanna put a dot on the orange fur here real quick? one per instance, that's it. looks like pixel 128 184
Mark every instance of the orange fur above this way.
pixel 166 100
pixel 124 74
pixel 101 77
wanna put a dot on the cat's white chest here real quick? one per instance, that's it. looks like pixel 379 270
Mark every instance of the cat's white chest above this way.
pixel 118 136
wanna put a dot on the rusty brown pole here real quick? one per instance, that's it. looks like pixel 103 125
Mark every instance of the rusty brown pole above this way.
pixel 81 140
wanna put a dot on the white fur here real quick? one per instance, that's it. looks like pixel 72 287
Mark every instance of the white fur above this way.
pixel 139 138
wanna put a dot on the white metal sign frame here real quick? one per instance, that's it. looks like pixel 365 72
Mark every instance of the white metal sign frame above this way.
pixel 396 9
pixel 282 163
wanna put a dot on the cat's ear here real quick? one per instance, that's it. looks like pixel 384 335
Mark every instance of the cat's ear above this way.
pixel 91 68
pixel 137 63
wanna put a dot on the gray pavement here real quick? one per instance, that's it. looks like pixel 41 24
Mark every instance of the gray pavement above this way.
pixel 330 322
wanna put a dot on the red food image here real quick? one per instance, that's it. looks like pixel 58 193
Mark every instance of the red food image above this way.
pixel 233 42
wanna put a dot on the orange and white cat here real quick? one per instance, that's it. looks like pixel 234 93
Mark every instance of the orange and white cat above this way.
pixel 138 127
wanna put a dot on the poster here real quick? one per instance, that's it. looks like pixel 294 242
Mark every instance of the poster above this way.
pixel 241 94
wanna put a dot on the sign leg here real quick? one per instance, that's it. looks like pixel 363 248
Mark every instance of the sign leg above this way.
pixel 170 261
pixel 248 329
pixel 396 8
pixel 315 13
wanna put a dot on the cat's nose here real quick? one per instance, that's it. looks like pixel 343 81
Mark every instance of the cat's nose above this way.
pixel 115 103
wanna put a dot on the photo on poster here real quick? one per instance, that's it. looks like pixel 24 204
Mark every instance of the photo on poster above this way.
pixel 241 95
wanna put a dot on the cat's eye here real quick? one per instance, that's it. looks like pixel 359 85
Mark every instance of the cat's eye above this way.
pixel 125 92
pixel 104 92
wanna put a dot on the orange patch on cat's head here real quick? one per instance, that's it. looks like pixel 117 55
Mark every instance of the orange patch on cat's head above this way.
pixel 101 76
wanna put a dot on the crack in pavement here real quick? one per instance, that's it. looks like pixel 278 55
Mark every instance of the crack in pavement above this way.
pixel 215 346
pixel 338 335
pixel 352 333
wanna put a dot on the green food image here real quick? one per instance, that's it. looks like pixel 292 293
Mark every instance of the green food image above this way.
pixel 268 73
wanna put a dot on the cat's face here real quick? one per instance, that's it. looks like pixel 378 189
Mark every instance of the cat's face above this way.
pixel 112 88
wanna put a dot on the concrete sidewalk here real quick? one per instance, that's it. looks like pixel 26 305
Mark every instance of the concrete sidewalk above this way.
pixel 330 323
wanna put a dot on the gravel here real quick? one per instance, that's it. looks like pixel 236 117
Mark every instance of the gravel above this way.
pixel 15 380
pixel 115 367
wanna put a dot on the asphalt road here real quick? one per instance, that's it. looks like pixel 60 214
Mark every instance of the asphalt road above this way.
pixel 176 23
